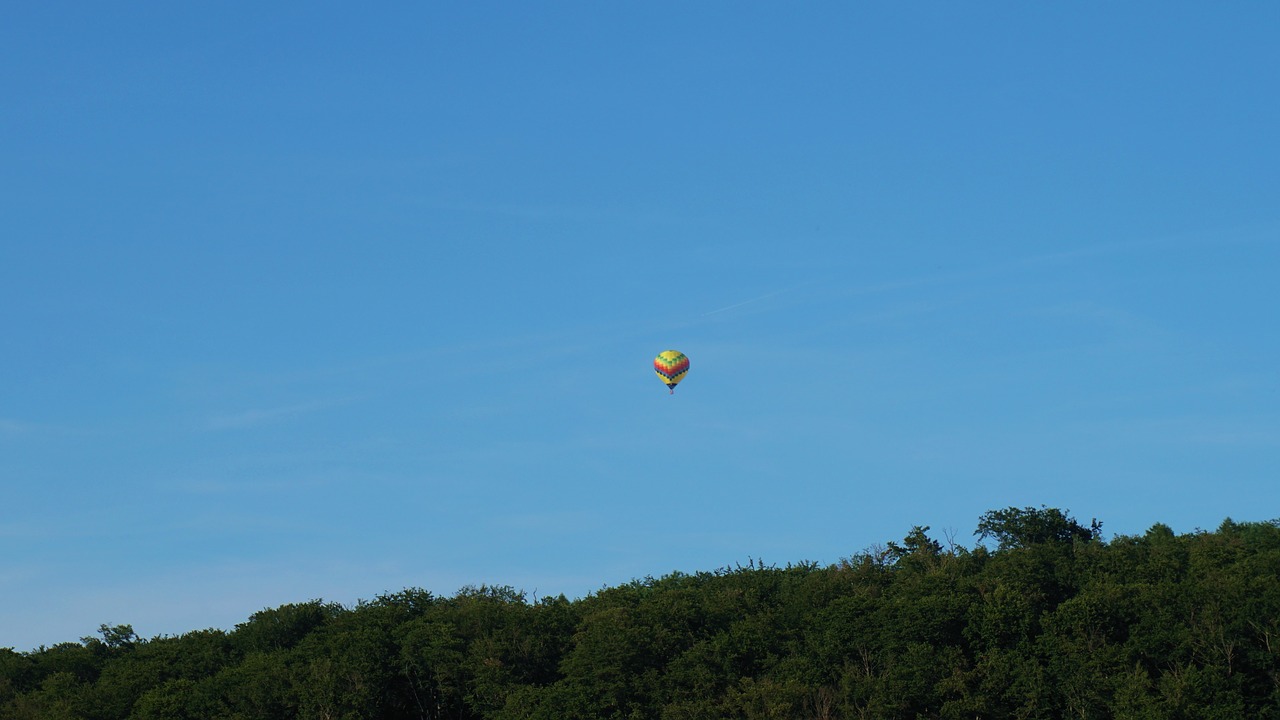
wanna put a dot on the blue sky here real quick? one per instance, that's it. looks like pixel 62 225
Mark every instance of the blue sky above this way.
pixel 323 302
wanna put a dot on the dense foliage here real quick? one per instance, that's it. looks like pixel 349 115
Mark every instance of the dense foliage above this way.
pixel 1056 622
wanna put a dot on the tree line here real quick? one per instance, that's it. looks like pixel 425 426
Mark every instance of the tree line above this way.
pixel 1050 621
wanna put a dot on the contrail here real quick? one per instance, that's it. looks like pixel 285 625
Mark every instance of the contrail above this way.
pixel 755 299
pixel 744 302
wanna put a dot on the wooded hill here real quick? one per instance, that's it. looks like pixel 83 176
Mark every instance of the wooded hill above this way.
pixel 1054 622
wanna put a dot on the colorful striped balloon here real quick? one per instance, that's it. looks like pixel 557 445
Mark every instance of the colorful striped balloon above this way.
pixel 671 366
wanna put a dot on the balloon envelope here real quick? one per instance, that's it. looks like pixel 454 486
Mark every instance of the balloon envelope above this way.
pixel 671 366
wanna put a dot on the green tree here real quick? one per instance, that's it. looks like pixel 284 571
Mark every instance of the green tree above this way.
pixel 1020 527
pixel 283 627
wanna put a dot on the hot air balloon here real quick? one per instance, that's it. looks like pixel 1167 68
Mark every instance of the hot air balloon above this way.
pixel 671 366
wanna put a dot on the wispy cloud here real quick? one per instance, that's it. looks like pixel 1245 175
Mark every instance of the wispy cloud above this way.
pixel 744 302
pixel 13 427
pixel 754 300
pixel 624 214
pixel 1094 313
pixel 25 530
pixel 544 523
pixel 1084 253
pixel 9 426
pixel 1190 429
pixel 1265 438
pixel 260 416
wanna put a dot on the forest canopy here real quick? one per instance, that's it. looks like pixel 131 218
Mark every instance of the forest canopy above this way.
pixel 1054 621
